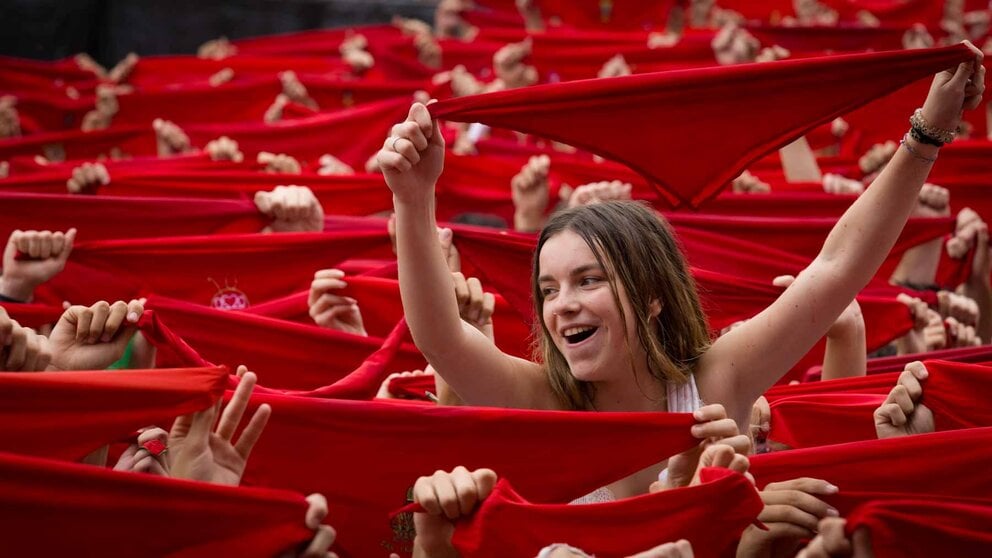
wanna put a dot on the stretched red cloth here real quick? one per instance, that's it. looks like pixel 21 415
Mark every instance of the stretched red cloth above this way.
pixel 389 445
pixel 98 512
pixel 170 347
pixel 33 315
pixel 894 465
pixel 381 306
pixel 153 71
pixel 285 355
pixel 888 11
pixel 711 516
pixel 102 217
pixel 595 14
pixel 76 144
pixel 839 38
pixel 352 135
pixel 362 194
pixel 925 527
pixel 66 415
pixel 979 354
pixel 949 391
pixel 877 384
pixel 783 100
pixel 230 271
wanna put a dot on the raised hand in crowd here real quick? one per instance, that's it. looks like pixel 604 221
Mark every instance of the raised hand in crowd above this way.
pixel 279 163
pixel 30 259
pixel 224 149
pixel 474 306
pixel 509 66
pixel 747 183
pixel 597 192
pixel 446 497
pixel 734 45
pixel 220 77
pixel 792 513
pixel 928 333
pixel 200 452
pixel 875 159
pixel 103 113
pixel 967 226
pixel 759 427
pixel 216 49
pixel 959 307
pixel 332 166
pixel 831 541
pixel 353 52
pixel 960 335
pixel 122 70
pixel 428 50
pixel 616 66
pixel 292 209
pixel 295 91
pixel 330 310
pixel 148 454
pixel 21 348
pixel 10 122
pixel 918 266
pixel 772 53
pixel 530 11
pixel 94 337
pixel 903 412
pixel 449 23
pixel 384 391
pixel 411 26
pixel 837 184
pixel 978 286
pixel 87 178
pixel 529 191
pixel 4 169
pixel 714 430
pixel 170 139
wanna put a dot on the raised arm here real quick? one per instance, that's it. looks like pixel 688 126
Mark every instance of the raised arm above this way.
pixel 411 160
pixel 747 361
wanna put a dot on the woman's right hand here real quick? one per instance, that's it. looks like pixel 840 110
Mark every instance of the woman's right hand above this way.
pixel 412 157
pixel 954 90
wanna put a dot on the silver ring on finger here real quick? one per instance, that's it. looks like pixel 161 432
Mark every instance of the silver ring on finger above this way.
pixel 393 145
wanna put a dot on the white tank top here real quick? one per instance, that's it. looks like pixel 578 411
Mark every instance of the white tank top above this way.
pixel 682 398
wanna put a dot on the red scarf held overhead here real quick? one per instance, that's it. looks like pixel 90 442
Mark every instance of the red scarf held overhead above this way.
pixel 949 391
pixel 711 516
pixel 918 527
pixel 66 415
pixel 365 456
pixel 229 271
pixel 98 512
pixel 777 102
pixel 285 355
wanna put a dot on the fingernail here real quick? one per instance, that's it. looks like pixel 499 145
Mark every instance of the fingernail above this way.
pixel 132 317
pixel 831 489
pixel 833 512
pixel 694 431
pixel 697 415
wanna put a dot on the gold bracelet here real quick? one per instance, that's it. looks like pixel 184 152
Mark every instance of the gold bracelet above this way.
pixel 919 122
pixel 915 153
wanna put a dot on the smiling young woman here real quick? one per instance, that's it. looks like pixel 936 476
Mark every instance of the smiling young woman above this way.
pixel 621 327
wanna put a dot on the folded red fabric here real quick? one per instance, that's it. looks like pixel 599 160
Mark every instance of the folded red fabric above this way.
pixel 711 516
pixel 98 512
pixel 285 355
pixel 782 99
pixel 66 415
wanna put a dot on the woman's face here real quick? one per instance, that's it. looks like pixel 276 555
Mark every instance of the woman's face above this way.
pixel 580 313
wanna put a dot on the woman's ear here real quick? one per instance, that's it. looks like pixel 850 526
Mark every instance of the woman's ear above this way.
pixel 654 308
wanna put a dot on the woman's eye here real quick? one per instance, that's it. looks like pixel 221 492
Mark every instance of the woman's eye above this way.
pixel 590 281
pixel 548 291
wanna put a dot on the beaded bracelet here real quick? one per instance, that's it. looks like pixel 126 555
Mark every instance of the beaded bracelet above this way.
pixel 938 134
pixel 913 152
pixel 921 137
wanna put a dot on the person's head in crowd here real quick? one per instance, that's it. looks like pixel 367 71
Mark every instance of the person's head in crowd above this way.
pixel 650 313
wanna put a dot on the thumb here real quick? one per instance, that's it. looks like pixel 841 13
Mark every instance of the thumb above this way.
pixel 962 74
pixel 263 201
pixel 783 280
pixel 70 239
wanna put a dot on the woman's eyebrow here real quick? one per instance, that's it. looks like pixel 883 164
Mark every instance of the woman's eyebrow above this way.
pixel 575 271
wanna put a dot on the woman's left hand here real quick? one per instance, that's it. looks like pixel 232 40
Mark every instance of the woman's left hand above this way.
pixel 712 427
pixel 954 90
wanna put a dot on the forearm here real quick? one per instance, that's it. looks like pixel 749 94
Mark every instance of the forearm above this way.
pixel 799 162
pixel 426 290
pixel 864 235
pixel 846 355
pixel 16 290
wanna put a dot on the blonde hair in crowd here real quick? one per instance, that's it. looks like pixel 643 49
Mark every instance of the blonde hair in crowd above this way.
pixel 634 246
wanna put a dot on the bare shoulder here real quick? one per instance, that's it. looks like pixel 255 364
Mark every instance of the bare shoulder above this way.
pixel 535 388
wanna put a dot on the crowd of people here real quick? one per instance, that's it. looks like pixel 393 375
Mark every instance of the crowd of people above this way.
pixel 273 297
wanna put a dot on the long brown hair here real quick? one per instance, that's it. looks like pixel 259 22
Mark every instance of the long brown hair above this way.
pixel 634 246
